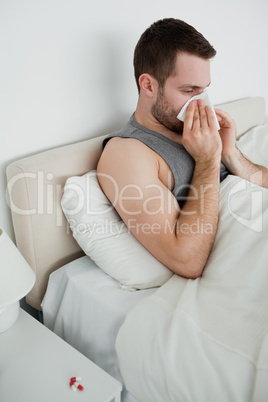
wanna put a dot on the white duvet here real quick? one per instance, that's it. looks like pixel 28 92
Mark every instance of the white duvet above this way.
pixel 206 340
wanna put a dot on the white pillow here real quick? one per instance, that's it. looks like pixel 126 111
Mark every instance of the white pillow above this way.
pixel 254 144
pixel 104 237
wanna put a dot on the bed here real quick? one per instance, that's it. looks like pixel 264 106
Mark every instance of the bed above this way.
pixel 171 339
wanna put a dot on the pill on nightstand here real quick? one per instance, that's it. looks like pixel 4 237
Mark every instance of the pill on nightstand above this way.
pixel 73 379
pixel 79 386
pixel 73 387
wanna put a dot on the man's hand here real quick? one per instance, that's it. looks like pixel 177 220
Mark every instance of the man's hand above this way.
pixel 200 135
pixel 227 133
pixel 233 159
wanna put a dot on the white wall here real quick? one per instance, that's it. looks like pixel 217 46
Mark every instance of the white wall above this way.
pixel 66 65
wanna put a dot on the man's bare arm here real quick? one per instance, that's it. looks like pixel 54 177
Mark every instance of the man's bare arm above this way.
pixel 180 239
pixel 237 163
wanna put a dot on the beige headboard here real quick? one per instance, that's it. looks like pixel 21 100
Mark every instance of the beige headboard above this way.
pixel 35 186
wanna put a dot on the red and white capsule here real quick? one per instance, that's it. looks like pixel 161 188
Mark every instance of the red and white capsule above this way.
pixel 79 386
pixel 74 379
pixel 73 387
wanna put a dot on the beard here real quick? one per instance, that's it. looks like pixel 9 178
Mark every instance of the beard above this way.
pixel 165 114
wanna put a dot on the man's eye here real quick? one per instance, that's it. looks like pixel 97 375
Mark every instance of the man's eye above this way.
pixel 188 92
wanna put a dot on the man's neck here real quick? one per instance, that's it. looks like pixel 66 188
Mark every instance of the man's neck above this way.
pixel 147 120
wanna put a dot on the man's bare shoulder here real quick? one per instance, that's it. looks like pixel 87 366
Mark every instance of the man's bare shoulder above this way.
pixel 122 152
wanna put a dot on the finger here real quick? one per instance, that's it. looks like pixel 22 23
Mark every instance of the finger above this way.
pixel 223 115
pixel 188 121
pixel 211 117
pixel 202 113
pixel 224 118
pixel 196 119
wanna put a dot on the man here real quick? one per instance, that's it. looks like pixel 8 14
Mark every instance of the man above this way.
pixel 167 173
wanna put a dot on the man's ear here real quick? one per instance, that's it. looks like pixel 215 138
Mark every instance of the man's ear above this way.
pixel 148 84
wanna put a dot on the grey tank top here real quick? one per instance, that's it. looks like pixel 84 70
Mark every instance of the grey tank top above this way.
pixel 175 155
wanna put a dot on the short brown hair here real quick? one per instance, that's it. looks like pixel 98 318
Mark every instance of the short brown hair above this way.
pixel 158 46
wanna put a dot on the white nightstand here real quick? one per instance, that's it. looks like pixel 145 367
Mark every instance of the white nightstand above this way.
pixel 36 365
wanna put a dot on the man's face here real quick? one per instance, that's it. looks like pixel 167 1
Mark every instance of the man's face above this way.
pixel 192 76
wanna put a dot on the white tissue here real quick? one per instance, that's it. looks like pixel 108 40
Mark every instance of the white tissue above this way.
pixel 203 95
